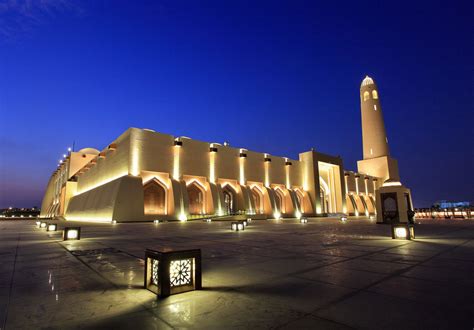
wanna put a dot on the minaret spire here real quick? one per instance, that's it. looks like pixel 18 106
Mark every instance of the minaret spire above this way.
pixel 374 137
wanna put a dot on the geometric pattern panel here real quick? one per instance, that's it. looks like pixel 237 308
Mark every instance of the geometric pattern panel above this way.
pixel 154 272
pixel 181 272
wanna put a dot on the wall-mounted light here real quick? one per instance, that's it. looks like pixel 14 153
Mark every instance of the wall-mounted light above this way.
pixel 172 272
pixel 403 231
pixel 72 233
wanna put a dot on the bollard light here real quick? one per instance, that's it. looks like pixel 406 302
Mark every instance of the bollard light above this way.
pixel 52 227
pixel 403 231
pixel 237 226
pixel 72 233
pixel 171 272
pixel 303 220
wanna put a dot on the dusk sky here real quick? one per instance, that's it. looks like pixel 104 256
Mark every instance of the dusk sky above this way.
pixel 270 76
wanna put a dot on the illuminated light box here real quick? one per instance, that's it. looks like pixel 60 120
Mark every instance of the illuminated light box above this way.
pixel 403 231
pixel 43 225
pixel 303 220
pixel 245 222
pixel 171 272
pixel 237 226
pixel 114 222
pixel 343 219
pixel 249 219
pixel 52 227
pixel 72 233
pixel 156 221
pixel 207 220
pixel 38 224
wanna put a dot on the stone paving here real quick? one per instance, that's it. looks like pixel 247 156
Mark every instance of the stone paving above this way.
pixel 276 274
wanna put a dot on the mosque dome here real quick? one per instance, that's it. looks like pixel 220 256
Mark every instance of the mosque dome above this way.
pixel 367 81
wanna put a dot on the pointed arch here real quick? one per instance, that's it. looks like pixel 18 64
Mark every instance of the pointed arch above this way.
pixel 366 95
pixel 196 196
pixel 155 197
pixel 230 199
pixel 257 196
pixel 280 200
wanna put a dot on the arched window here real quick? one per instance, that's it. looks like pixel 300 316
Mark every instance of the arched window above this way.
pixel 366 96
pixel 375 95
pixel 154 197
pixel 196 199
pixel 257 199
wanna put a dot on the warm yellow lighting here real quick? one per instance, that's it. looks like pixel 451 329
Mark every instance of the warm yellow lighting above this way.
pixel 156 221
pixel 343 219
pixel 43 225
pixel 212 167
pixel 177 150
pixel 100 183
pixel 303 220
pixel 391 184
pixel 277 215
pixel 182 217
pixel 72 234
pixel 242 170
pixel 400 233
pixel 114 222
pixel 298 214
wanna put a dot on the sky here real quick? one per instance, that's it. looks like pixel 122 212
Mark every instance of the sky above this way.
pixel 272 76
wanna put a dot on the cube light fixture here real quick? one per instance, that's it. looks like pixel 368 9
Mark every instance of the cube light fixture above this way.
pixel 249 219
pixel 43 225
pixel 343 219
pixel 403 231
pixel 303 220
pixel 156 221
pixel 208 220
pixel 38 224
pixel 72 233
pixel 171 272
pixel 52 227
pixel 237 226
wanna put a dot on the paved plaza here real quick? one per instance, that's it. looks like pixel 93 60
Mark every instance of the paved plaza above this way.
pixel 276 274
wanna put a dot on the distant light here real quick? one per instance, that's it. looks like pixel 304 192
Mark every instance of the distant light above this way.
pixel 303 220
pixel 69 149
pixel 343 219
pixel 64 156
pixel 156 221
pixel 298 214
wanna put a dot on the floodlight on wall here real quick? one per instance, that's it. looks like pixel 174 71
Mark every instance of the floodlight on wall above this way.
pixel 172 272
pixel 156 221
pixel 237 226
pixel 43 225
pixel 403 231
pixel 304 220
pixel 277 215
pixel 72 233
pixel 52 227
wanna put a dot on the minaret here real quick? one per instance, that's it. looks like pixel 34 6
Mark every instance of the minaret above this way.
pixel 393 199
pixel 374 137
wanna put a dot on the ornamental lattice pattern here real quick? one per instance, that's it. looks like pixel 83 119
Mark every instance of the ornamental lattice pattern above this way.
pixel 181 272
pixel 154 272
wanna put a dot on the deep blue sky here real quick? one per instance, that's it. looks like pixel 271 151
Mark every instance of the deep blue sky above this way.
pixel 272 76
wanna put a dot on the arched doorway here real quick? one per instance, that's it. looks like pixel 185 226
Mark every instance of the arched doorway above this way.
pixel 279 201
pixel 196 198
pixel 324 200
pixel 230 199
pixel 154 197
pixel 258 200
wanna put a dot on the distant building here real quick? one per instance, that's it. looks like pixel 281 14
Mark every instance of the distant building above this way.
pixel 145 175
pixel 444 204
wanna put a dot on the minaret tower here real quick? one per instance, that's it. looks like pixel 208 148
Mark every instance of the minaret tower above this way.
pixel 374 137
pixel 393 200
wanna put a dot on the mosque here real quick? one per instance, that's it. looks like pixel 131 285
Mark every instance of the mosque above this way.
pixel 145 175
